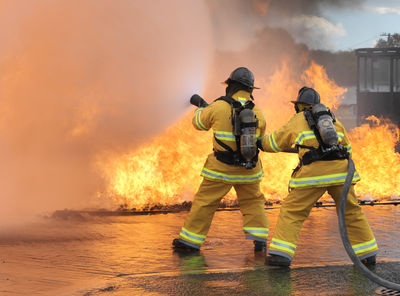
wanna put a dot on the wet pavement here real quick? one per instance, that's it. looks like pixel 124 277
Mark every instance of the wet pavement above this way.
pixel 132 255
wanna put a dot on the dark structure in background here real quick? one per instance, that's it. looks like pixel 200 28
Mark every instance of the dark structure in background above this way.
pixel 378 87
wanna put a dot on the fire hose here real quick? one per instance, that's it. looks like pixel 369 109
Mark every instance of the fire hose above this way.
pixel 345 239
pixel 343 231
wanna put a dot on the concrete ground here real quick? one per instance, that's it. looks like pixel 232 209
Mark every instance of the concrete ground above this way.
pixel 132 255
pixel 260 280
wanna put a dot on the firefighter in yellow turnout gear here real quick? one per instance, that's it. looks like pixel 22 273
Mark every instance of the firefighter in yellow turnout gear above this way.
pixel 221 172
pixel 310 181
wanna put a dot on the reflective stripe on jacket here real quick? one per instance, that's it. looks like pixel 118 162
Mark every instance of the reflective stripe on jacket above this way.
pixel 318 173
pixel 217 116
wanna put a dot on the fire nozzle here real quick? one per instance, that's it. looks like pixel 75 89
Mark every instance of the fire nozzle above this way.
pixel 198 101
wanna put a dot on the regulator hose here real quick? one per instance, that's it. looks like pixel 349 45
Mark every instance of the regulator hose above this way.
pixel 345 239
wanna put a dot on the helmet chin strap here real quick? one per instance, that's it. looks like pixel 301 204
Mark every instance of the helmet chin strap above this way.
pixel 296 108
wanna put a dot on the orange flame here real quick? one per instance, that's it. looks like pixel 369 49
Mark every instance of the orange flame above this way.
pixel 166 170
pixel 163 171
pixel 261 6
pixel 375 157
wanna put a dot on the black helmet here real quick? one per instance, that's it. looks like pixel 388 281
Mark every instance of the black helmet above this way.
pixel 307 95
pixel 243 76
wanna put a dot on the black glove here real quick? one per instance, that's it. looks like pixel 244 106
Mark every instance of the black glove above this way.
pixel 198 101
pixel 259 144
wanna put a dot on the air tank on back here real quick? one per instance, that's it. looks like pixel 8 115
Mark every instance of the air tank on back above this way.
pixel 325 125
pixel 248 138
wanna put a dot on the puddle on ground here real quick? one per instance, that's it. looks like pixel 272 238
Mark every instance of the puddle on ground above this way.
pixel 85 255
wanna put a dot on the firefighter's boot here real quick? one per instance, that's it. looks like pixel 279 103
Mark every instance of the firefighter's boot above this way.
pixel 259 246
pixel 180 246
pixel 277 260
pixel 369 260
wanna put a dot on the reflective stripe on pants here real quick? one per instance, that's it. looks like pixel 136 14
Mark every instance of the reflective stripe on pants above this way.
pixel 206 200
pixel 296 208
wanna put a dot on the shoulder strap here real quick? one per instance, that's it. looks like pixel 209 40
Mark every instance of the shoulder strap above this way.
pixel 230 101
pixel 236 104
pixel 236 108
pixel 313 125
pixel 321 153
pixel 249 105
pixel 233 104
pixel 222 144
pixel 306 147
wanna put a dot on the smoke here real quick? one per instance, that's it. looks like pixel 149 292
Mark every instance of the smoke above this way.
pixel 78 78
pixel 264 35
pixel 309 7
pixel 238 22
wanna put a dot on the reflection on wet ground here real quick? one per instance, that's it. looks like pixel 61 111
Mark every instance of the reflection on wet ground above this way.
pixel 132 255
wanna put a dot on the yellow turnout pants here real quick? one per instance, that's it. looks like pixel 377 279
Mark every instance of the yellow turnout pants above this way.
pixel 296 208
pixel 206 200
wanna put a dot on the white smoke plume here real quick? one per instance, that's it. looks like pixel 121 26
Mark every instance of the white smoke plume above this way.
pixel 82 77
pixel 237 22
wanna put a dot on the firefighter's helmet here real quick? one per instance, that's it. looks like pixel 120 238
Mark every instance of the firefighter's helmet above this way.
pixel 243 76
pixel 308 95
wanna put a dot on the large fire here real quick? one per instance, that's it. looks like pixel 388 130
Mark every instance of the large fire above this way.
pixel 375 158
pixel 165 171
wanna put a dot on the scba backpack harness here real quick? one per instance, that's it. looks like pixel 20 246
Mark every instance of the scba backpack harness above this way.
pixel 320 119
pixel 245 124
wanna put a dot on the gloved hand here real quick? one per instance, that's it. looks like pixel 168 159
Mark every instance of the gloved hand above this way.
pixel 259 144
pixel 198 101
